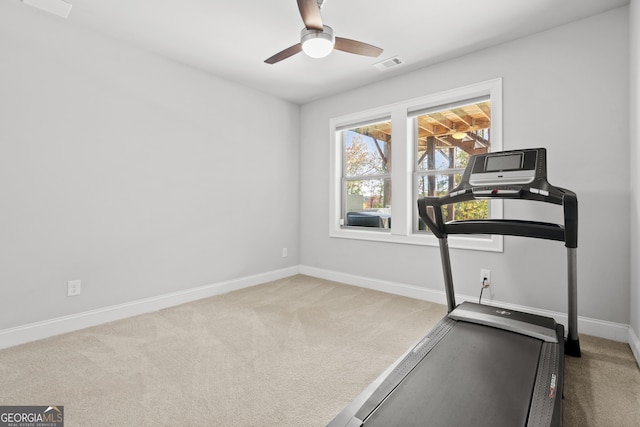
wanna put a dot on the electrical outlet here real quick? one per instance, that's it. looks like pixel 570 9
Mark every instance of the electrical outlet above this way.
pixel 485 277
pixel 284 252
pixel 74 287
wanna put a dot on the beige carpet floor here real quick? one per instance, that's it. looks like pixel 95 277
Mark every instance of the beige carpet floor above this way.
pixel 292 352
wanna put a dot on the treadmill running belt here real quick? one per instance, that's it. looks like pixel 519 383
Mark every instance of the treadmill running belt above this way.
pixel 475 376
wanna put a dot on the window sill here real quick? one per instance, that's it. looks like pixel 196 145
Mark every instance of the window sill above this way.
pixel 477 243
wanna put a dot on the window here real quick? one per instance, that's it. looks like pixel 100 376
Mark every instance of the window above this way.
pixel 433 139
pixel 366 177
pixel 444 140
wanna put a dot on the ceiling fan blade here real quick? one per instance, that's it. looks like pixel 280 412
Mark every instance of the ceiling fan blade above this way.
pixel 290 51
pixel 310 13
pixel 359 48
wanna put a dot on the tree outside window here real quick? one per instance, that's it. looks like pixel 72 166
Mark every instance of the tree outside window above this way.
pixel 445 140
pixel 367 176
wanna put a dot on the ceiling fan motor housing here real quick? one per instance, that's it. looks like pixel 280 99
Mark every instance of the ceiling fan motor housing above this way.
pixel 316 43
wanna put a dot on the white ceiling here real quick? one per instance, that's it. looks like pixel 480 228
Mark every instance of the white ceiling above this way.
pixel 232 38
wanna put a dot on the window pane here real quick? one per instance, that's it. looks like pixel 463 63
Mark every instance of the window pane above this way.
pixel 367 150
pixel 437 185
pixel 446 138
pixel 445 141
pixel 366 176
pixel 368 203
pixel 473 209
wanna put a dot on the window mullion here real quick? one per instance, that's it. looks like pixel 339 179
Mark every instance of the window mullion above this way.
pixel 367 177
pixel 401 150
pixel 424 172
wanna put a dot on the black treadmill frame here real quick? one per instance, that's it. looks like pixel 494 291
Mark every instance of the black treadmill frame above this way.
pixel 553 345
pixel 538 190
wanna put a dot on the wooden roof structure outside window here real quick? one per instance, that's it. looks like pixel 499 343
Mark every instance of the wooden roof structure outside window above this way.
pixel 464 127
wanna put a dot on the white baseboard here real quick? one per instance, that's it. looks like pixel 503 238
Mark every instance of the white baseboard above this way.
pixel 395 288
pixel 634 343
pixel 40 330
pixel 60 325
pixel 599 328
pixel 586 325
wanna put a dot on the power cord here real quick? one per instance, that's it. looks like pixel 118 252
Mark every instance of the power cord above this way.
pixel 484 285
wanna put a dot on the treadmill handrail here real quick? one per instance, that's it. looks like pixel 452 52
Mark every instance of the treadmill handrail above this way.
pixel 567 233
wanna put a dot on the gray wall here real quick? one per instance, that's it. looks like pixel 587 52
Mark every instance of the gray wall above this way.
pixel 142 177
pixel 565 89
pixel 634 118
pixel 134 174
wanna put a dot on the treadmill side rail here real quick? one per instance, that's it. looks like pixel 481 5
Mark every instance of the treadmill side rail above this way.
pixel 546 401
pixel 355 414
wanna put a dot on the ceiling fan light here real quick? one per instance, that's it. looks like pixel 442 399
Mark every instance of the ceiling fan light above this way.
pixel 317 47
pixel 317 44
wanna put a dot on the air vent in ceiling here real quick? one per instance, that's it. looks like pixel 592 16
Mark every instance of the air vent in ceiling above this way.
pixel 388 63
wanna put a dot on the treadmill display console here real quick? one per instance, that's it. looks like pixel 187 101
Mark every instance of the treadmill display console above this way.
pixel 503 163
pixel 513 167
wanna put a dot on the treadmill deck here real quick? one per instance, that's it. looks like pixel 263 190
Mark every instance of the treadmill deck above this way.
pixel 468 374
pixel 474 375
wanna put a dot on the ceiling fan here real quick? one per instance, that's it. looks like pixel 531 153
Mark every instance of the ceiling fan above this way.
pixel 317 40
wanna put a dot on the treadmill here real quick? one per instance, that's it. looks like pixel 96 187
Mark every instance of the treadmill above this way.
pixel 483 365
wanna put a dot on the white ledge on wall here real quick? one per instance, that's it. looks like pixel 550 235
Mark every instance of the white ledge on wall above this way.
pixel 479 243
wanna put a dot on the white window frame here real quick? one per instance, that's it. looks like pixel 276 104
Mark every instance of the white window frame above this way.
pixel 403 177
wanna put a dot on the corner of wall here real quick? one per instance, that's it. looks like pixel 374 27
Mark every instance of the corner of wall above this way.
pixel 634 142
pixel 634 157
pixel 634 343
